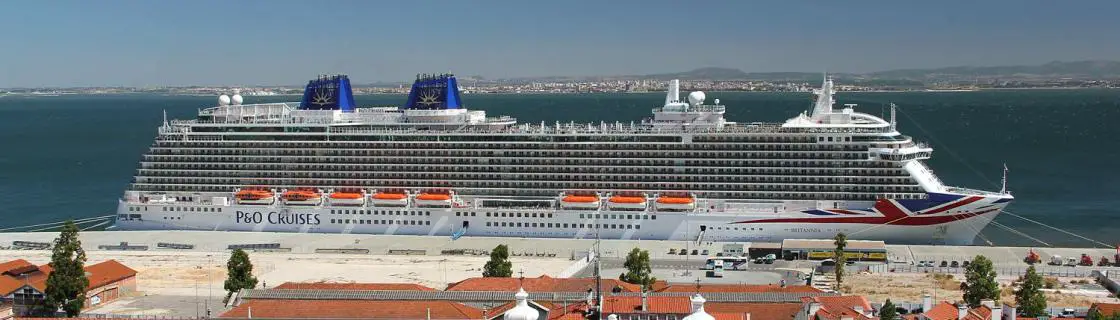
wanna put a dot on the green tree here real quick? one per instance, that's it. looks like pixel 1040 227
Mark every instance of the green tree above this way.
pixel 888 311
pixel 499 265
pixel 240 273
pixel 980 282
pixel 637 269
pixel 841 242
pixel 67 282
pixel 1029 297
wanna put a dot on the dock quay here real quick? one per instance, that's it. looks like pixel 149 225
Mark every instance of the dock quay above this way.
pixel 311 243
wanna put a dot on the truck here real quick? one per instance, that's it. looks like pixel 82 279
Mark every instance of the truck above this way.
pixel 1071 262
pixel 1086 260
pixel 1056 260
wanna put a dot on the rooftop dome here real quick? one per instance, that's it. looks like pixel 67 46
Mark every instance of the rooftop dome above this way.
pixel 522 311
pixel 698 310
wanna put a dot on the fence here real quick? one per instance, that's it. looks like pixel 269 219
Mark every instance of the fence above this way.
pixel 1050 271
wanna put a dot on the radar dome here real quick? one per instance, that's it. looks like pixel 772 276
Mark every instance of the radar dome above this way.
pixel 237 99
pixel 223 100
pixel 717 102
pixel 696 97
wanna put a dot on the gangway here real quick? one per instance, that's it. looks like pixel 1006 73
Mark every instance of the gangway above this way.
pixel 700 237
pixel 459 233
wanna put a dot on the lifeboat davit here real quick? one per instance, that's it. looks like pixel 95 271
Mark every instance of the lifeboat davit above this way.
pixel 389 199
pixel 348 198
pixel 676 203
pixel 627 202
pixel 254 196
pixel 579 201
pixel 302 197
pixel 440 199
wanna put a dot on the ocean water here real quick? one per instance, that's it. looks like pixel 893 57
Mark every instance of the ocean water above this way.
pixel 72 156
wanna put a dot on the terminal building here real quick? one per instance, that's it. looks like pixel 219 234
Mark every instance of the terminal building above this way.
pixel 856 250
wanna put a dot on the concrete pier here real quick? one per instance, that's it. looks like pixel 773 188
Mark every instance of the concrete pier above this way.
pixel 219 241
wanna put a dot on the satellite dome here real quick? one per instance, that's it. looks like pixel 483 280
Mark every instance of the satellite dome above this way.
pixel 223 100
pixel 237 99
pixel 696 97
pixel 717 102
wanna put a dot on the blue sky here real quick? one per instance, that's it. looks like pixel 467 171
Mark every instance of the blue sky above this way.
pixel 245 42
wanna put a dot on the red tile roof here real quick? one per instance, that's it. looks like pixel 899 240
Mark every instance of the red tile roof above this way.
pixel 353 309
pixel 9 284
pixel 741 288
pixel 542 284
pixel 728 316
pixel 352 286
pixel 758 311
pixel 14 265
pixel 107 272
pixel 837 307
pixel 948 311
pixel 626 305
pixel 942 311
pixel 1106 309
pixel 99 275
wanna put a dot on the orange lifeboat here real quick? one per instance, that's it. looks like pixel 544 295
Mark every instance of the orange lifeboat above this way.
pixel 254 196
pixel 676 202
pixel 579 201
pixel 302 196
pixel 390 198
pixel 434 199
pixel 627 202
pixel 347 198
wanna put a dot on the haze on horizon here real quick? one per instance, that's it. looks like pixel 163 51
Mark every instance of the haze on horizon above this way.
pixel 258 42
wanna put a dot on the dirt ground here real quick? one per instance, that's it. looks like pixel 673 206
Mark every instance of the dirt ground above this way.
pixel 191 273
pixel 909 287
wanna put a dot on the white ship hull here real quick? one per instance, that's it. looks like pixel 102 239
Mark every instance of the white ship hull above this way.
pixel 957 226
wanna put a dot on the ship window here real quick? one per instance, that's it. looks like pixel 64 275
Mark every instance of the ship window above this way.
pixel 565 225
pixel 428 223
pixel 653 217
pixel 550 215
pixel 472 213
pixel 518 224
pixel 427 213
pixel 518 214
pixel 629 226
pixel 637 227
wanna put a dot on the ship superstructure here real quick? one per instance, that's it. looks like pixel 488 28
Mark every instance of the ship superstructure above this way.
pixel 434 167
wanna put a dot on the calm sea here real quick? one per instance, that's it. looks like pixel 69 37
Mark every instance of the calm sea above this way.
pixel 72 156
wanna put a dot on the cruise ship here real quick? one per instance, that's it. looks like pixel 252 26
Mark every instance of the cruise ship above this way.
pixel 434 167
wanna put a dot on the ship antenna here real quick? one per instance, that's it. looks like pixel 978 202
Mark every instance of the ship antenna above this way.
pixel 165 118
pixel 893 122
pixel 1003 189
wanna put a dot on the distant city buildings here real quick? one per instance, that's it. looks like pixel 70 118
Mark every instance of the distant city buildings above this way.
pixel 471 85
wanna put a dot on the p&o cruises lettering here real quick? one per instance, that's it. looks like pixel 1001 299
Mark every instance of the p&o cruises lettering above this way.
pixel 278 218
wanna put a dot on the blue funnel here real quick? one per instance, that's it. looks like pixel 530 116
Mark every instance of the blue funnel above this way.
pixel 434 92
pixel 328 93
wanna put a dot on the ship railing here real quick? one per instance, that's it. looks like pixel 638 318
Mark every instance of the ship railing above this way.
pixel 972 191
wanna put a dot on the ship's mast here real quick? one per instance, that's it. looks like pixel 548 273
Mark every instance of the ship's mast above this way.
pixel 1003 187
pixel 893 123
pixel 824 98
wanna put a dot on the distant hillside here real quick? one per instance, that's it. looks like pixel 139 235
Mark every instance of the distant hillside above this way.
pixel 1056 69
